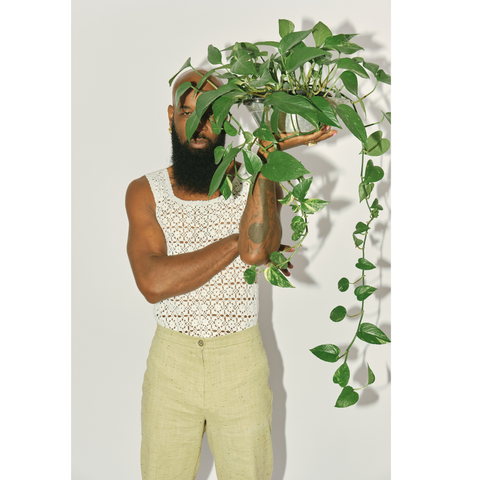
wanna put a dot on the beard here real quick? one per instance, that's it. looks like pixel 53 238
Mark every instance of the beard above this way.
pixel 193 169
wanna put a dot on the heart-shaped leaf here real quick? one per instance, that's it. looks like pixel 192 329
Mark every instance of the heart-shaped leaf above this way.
pixel 291 39
pixel 253 163
pixel 361 227
pixel 320 33
pixel 364 264
pixel 263 132
pixel 338 314
pixel 347 398
pixel 342 375
pixel 350 81
pixel 373 173
pixel 284 28
pixel 353 122
pixel 372 334
pixel 250 275
pixel 281 167
pixel 364 190
pixel 343 284
pixel 376 145
pixel 276 277
pixel 214 55
pixel 327 353
pixel 353 66
pixel 301 190
pixel 312 205
pixel 363 292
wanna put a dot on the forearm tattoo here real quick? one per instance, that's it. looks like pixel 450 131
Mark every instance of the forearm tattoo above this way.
pixel 258 232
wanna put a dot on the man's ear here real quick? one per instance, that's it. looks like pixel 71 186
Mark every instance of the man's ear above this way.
pixel 170 114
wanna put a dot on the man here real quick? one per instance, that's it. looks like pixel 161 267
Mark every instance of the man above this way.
pixel 207 370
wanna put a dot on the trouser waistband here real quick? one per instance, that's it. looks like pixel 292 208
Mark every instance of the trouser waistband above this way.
pixel 208 342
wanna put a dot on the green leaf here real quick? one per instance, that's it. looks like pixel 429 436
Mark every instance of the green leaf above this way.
pixel 218 154
pixel 216 128
pixel 388 116
pixel 276 277
pixel 376 145
pixel 357 241
pixel 320 33
pixel 373 173
pixel 281 167
pixel 371 376
pixel 287 200
pixel 230 129
pixel 363 292
pixel 203 102
pixel 278 259
pixel 294 104
pixel 265 78
pixel 342 375
pixel 214 55
pixel 338 314
pixel 250 275
pixel 221 108
pixel 383 77
pixel 301 190
pixel 350 81
pixel 185 65
pixel 341 44
pixel 327 111
pixel 375 204
pixel 243 66
pixel 298 224
pixel 274 121
pixel 353 122
pixel 361 227
pixel 353 66
pixel 253 163
pixel 301 56
pixel 292 39
pixel 284 27
pixel 221 169
pixel 271 44
pixel 226 187
pixel 347 398
pixel 312 205
pixel 180 91
pixel 370 333
pixel 263 132
pixel 364 264
pixel 343 284
pixel 373 67
pixel 364 190
pixel 327 353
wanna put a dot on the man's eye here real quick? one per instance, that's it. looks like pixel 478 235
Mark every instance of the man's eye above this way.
pixel 187 113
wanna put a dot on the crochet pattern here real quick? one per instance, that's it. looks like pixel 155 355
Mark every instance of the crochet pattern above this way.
pixel 226 304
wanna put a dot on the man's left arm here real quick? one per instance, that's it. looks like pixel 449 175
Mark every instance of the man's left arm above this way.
pixel 260 225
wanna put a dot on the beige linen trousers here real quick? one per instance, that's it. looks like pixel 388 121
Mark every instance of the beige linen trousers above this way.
pixel 217 385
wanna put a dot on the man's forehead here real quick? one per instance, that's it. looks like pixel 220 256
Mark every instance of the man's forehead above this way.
pixel 193 77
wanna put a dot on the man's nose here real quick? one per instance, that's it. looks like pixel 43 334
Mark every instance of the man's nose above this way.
pixel 203 122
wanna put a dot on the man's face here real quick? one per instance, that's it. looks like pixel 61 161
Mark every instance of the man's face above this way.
pixel 193 161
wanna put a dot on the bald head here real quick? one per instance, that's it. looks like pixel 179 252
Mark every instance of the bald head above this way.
pixel 194 78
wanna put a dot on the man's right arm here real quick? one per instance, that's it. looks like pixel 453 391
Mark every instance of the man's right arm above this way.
pixel 158 275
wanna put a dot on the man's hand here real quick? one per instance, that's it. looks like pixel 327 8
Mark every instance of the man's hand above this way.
pixel 290 141
pixel 289 266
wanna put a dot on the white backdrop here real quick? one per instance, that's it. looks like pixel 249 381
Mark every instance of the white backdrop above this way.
pixel 123 53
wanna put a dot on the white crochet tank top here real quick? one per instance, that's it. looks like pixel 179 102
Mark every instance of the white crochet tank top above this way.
pixel 226 304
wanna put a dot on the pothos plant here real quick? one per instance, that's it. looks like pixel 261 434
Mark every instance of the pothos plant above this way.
pixel 292 81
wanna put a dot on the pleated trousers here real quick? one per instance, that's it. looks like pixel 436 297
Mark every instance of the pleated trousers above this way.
pixel 218 385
